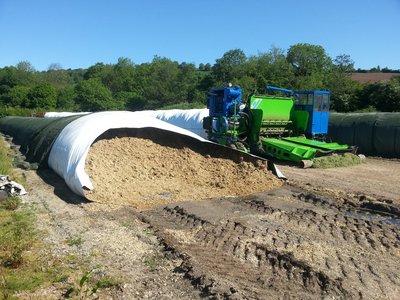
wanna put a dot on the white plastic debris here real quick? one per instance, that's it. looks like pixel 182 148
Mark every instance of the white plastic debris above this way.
pixel 11 187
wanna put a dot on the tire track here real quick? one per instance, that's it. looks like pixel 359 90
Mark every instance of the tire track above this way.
pixel 279 246
pixel 366 233
pixel 235 239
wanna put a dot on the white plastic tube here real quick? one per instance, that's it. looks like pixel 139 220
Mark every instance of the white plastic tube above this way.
pixel 189 119
pixel 69 152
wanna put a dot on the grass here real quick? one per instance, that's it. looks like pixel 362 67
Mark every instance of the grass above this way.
pixel 107 282
pixel 6 166
pixel 26 262
pixel 11 203
pixel 87 286
pixel 334 161
pixel 22 267
pixel 16 111
pixel 74 241
pixel 184 105
pixel 32 275
pixel 152 263
pixel 16 236
pixel 5 163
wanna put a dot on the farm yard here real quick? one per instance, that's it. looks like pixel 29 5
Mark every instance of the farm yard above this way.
pixel 189 150
pixel 321 234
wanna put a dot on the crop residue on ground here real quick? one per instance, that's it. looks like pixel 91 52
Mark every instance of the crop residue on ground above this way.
pixel 142 173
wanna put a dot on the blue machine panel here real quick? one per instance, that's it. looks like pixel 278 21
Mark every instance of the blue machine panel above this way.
pixel 316 103
pixel 221 102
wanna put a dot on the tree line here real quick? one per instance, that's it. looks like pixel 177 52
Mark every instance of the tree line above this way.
pixel 163 83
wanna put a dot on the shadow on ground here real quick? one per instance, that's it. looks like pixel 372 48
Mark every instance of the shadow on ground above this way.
pixel 60 187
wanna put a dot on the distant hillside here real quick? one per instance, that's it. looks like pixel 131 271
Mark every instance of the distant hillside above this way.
pixel 372 77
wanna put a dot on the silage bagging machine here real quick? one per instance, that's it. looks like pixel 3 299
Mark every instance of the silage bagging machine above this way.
pixel 291 127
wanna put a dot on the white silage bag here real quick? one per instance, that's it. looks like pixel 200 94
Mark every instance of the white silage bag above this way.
pixel 69 152
pixel 52 114
pixel 189 119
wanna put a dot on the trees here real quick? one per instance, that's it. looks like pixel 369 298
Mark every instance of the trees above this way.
pixel 42 95
pixel 16 96
pixel 54 67
pixel 344 63
pixel 92 95
pixel 12 76
pixel 308 59
pixel 344 92
pixel 227 68
pixel 188 79
pixel 385 96
pixel 25 66
pixel 66 99
pixel 163 82
pixel 204 67
pixel 59 78
pixel 120 77
pixel 311 65
pixel 131 101
pixel 98 70
pixel 270 68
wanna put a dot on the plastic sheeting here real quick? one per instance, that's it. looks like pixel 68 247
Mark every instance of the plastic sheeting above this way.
pixel 35 135
pixel 376 134
pixel 69 152
pixel 189 119
pixel 51 114
pixel 70 138
pixel 11 187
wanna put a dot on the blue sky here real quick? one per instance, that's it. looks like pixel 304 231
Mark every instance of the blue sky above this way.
pixel 79 33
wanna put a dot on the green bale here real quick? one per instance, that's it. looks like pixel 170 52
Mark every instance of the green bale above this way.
pixel 375 134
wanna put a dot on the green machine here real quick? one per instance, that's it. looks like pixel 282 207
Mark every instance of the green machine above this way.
pixel 292 127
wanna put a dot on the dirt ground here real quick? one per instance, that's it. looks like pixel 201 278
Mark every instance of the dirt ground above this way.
pixel 376 177
pixel 325 234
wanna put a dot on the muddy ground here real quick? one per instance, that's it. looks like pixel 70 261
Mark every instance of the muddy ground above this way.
pixel 377 178
pixel 325 234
